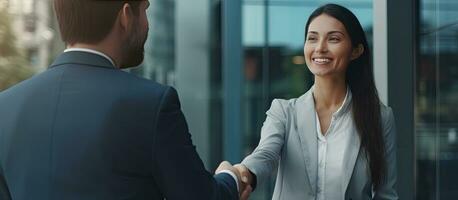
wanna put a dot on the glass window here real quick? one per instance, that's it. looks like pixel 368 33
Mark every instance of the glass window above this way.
pixel 183 50
pixel 436 99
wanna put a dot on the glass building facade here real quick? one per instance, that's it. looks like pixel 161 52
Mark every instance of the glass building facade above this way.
pixel 436 100
pixel 229 58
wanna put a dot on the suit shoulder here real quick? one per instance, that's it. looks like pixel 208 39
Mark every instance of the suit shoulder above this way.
pixel 22 85
pixel 386 112
pixel 141 80
pixel 281 108
pixel 283 103
pixel 142 83
pixel 289 103
pixel 387 120
pixel 167 95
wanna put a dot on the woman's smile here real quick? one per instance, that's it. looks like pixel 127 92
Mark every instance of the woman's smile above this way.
pixel 321 60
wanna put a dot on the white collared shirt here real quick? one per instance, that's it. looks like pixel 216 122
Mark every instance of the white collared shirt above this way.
pixel 331 151
pixel 91 51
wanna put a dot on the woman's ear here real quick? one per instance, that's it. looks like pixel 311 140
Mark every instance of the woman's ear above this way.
pixel 356 52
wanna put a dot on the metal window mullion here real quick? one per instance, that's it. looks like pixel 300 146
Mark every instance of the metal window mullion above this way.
pixel 265 58
pixel 232 79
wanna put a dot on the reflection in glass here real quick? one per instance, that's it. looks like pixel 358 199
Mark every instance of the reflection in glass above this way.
pixel 436 97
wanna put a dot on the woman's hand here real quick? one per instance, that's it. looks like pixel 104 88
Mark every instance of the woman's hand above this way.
pixel 247 179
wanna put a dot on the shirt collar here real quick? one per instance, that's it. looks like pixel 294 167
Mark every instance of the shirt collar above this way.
pixel 91 51
pixel 345 105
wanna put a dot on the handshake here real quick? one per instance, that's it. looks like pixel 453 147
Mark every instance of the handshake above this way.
pixel 244 177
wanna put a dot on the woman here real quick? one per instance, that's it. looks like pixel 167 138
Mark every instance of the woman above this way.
pixel 337 141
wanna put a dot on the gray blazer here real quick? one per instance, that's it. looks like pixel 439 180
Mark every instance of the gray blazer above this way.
pixel 288 141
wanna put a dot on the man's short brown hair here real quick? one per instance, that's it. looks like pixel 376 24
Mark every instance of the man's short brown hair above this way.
pixel 88 21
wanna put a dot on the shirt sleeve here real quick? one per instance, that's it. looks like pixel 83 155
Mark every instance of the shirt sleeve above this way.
pixel 233 176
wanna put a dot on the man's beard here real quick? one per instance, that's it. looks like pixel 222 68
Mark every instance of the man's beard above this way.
pixel 134 50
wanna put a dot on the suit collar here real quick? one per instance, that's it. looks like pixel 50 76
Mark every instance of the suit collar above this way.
pixel 350 158
pixel 306 125
pixel 91 51
pixel 82 58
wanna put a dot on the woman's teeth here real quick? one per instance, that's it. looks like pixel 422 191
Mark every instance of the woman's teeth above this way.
pixel 321 60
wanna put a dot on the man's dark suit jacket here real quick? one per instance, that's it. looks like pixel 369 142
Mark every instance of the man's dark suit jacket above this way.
pixel 83 130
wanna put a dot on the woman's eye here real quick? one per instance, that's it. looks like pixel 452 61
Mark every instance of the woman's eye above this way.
pixel 311 39
pixel 334 39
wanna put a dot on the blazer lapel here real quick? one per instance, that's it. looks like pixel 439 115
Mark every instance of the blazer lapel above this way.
pixel 350 158
pixel 305 121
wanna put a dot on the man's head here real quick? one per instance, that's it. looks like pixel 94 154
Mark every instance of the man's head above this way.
pixel 93 21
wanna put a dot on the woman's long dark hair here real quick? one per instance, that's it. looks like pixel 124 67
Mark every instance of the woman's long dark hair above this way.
pixel 365 103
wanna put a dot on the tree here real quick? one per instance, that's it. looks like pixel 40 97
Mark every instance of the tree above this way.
pixel 13 66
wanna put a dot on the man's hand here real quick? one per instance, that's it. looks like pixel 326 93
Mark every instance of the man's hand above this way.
pixel 243 181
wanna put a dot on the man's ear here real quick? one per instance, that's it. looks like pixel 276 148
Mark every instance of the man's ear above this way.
pixel 356 52
pixel 126 17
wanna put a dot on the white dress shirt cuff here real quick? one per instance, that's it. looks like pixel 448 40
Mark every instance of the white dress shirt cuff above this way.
pixel 233 176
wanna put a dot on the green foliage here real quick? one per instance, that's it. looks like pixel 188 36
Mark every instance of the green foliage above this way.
pixel 13 66
pixel 12 71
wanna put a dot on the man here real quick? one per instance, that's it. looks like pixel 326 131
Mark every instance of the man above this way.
pixel 86 130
